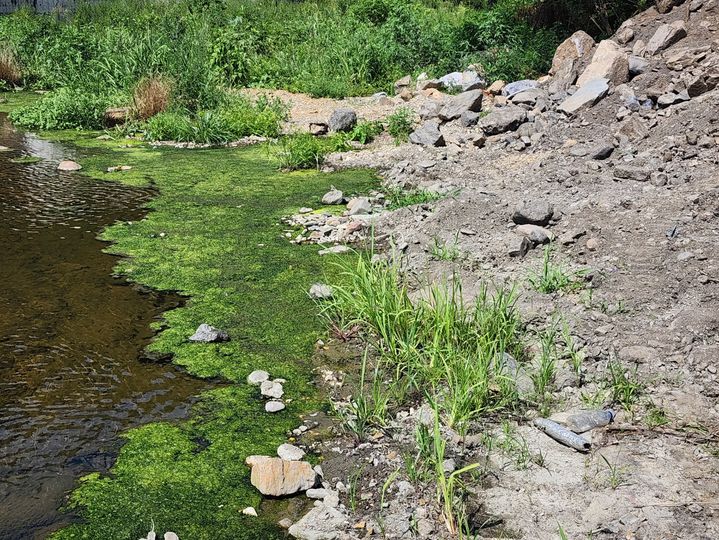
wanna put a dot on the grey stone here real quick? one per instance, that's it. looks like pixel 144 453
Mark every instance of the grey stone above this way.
pixel 317 493
pixel 665 36
pixel 536 234
pixel 428 134
pixel 528 97
pixel 402 84
pixel 534 212
pixel 671 98
pixel 665 6
pixel 320 291
pixel 522 380
pixel 588 95
pixel 271 389
pixel 209 334
pixel 430 109
pixel 519 247
pixel 461 103
pixel 274 406
pixel 632 172
pixel 469 119
pixel 464 80
pixel 503 119
pixel 171 536
pixel 518 86
pixel 343 120
pixel 359 205
pixel 333 196
pixel 334 250
pixel 319 128
pixel 601 150
pixel 290 452
pixel 320 523
pixel 257 377
pixel 637 65
pixel 639 354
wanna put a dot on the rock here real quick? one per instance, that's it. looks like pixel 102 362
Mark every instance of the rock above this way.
pixel 671 98
pixel 665 36
pixel 637 65
pixel 428 134
pixel 116 116
pixel 171 536
pixel 609 62
pixel 687 57
pixel 285 523
pixel 702 83
pixel 257 377
pixel 319 128
pixel 359 205
pixel 249 511
pixel 334 250
pixel 632 172
pixel 68 165
pixel 461 103
pixel 665 6
pixel 624 35
pixel 402 84
pixel 586 96
pixel 592 244
pixel 209 334
pixel 290 452
pixel 466 80
pixel 638 354
pixel 429 110
pixel 478 140
pixel 321 523
pixel 519 247
pixel 496 87
pixel 502 120
pixel 276 477
pixel 333 196
pixel 576 47
pixel 316 493
pixel 320 291
pixel 271 389
pixel 601 150
pixel 428 84
pixel 533 212
pixel 518 86
pixel 118 168
pixel 343 120
pixel 469 119
pixel 535 233
pixel 528 97
pixel 449 466
pixel 633 129
pixel 274 406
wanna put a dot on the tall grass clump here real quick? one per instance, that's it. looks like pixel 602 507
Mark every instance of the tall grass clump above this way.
pixel 10 72
pixel 151 96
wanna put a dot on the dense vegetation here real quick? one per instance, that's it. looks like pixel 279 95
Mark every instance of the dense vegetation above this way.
pixel 96 57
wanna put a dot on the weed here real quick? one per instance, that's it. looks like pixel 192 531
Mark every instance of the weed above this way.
pixel 442 250
pixel 366 410
pixel 655 417
pixel 151 96
pixel 616 475
pixel 399 124
pixel 365 132
pixel 305 151
pixel 64 109
pixel 543 376
pixel 552 278
pixel 561 532
pixel 353 487
pixel 399 198
pixel 575 355
pixel 625 386
pixel 596 399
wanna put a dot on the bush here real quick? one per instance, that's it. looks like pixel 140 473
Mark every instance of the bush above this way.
pixel 262 117
pixel 305 151
pixel 151 96
pixel 65 108
pixel 365 132
pixel 399 124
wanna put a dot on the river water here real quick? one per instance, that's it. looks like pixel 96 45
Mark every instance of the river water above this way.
pixel 71 336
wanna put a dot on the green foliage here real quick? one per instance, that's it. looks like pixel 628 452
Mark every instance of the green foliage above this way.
pixel 625 385
pixel 552 277
pixel 399 198
pixel 63 109
pixel 365 132
pixel 305 151
pixel 399 124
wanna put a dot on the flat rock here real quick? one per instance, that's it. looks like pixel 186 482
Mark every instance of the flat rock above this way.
pixel 290 452
pixel 455 106
pixel 518 86
pixel 503 119
pixel 209 334
pixel 533 213
pixel 67 165
pixel 665 36
pixel 343 120
pixel 639 354
pixel 601 150
pixel 428 134
pixel 334 250
pixel 528 97
pixel 320 523
pixel 257 377
pixel 276 477
pixel 464 80
pixel 333 196
pixel 632 172
pixel 271 389
pixel 588 95
pixel 609 62
pixel 274 406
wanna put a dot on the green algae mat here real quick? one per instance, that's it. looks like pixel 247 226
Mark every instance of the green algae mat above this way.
pixel 213 233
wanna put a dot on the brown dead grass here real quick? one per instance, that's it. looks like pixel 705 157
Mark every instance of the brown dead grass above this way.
pixel 10 71
pixel 151 96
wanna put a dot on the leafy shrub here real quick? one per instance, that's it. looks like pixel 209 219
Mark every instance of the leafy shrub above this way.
pixel 365 132
pixel 399 124
pixel 169 126
pixel 151 96
pixel 262 117
pixel 65 108
pixel 305 151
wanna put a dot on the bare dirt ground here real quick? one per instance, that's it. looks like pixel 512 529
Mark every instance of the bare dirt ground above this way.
pixel 651 302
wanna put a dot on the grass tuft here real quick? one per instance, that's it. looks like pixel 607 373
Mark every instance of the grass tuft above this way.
pixel 151 96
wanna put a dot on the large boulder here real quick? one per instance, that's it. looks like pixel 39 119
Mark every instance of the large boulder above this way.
pixel 461 103
pixel 428 134
pixel 609 62
pixel 464 80
pixel 589 94
pixel 321 523
pixel 576 47
pixel 277 477
pixel 343 120
pixel 503 119
pixel 666 36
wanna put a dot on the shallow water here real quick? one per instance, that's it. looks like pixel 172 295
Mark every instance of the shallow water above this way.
pixel 71 336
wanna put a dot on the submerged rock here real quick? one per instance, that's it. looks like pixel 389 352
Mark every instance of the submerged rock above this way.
pixel 277 477
pixel 209 334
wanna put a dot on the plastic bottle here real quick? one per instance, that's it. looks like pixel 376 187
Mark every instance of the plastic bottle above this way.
pixel 584 421
pixel 563 435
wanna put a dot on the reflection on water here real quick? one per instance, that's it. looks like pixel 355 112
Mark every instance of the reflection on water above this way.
pixel 70 336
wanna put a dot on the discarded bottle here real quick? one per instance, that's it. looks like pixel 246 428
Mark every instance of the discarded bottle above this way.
pixel 584 421
pixel 563 435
